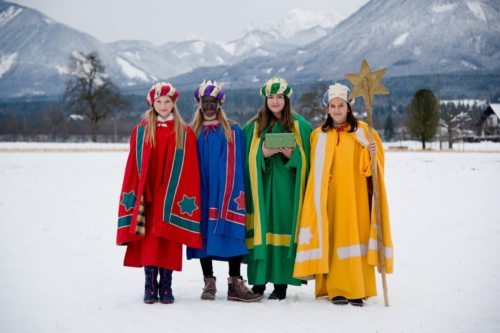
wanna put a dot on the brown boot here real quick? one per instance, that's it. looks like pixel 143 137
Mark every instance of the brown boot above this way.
pixel 238 291
pixel 209 290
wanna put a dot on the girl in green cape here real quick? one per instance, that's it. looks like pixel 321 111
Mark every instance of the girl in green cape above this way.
pixel 276 179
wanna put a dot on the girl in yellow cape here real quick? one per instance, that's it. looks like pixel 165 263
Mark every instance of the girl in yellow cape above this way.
pixel 338 233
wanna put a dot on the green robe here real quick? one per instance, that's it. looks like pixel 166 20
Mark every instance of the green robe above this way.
pixel 274 190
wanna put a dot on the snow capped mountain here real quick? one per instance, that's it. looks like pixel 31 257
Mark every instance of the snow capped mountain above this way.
pixel 35 50
pixel 175 58
pixel 35 53
pixel 195 53
pixel 6 62
pixel 256 43
pixel 8 14
pixel 307 36
pixel 300 22
pixel 170 59
pixel 409 37
pixel 300 27
pixel 414 37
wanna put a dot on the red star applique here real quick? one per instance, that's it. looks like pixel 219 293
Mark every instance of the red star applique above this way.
pixel 240 201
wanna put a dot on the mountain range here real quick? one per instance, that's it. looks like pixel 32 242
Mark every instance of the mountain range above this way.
pixel 408 37
pixel 35 50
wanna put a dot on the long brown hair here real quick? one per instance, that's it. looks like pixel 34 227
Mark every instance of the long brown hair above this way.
pixel 351 120
pixel 151 116
pixel 264 117
pixel 197 122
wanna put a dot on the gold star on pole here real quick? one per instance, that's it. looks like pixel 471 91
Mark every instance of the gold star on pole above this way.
pixel 366 83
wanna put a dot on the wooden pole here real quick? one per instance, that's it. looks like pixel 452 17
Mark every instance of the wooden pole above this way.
pixel 376 199
pixel 367 84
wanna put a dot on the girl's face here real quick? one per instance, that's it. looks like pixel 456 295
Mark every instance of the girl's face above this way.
pixel 337 109
pixel 163 105
pixel 276 103
pixel 209 107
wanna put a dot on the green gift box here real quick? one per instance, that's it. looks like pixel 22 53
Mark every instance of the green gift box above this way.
pixel 280 140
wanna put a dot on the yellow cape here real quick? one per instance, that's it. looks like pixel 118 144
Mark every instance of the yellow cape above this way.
pixel 312 256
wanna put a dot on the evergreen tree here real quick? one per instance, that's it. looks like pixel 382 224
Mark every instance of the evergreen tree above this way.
pixel 423 116
pixel 495 97
pixel 388 129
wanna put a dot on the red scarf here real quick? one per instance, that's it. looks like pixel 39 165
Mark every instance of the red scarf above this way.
pixel 210 126
pixel 341 129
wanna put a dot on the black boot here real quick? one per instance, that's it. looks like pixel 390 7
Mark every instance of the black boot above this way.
pixel 166 296
pixel 340 300
pixel 151 285
pixel 259 289
pixel 279 292
pixel 356 302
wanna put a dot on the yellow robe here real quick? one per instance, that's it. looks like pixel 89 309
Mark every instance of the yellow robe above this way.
pixel 338 234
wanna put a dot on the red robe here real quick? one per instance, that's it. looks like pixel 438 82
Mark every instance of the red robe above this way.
pixel 168 181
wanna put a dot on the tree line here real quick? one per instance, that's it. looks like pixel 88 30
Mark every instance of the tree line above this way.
pixel 94 108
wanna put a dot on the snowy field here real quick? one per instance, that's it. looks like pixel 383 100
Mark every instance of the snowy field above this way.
pixel 485 146
pixel 62 272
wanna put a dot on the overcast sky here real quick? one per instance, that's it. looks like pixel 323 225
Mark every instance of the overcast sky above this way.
pixel 160 21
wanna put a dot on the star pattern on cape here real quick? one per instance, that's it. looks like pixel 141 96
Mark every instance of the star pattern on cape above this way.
pixel 240 201
pixel 188 205
pixel 366 83
pixel 305 236
pixel 128 200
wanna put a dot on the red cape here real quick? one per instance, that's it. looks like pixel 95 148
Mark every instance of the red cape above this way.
pixel 178 217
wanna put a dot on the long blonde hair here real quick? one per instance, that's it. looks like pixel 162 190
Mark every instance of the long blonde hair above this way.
pixel 151 116
pixel 197 122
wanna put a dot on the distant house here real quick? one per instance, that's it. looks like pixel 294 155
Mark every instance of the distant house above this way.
pixel 490 123
pixel 466 102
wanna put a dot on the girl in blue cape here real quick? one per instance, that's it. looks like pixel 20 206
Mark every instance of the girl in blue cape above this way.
pixel 221 149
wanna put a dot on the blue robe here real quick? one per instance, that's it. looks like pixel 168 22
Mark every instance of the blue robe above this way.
pixel 222 194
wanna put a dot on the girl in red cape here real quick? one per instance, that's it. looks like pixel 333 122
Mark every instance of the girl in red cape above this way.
pixel 159 206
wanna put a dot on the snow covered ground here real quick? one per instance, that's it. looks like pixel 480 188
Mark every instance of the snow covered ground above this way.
pixel 61 271
pixel 435 146
pixel 485 146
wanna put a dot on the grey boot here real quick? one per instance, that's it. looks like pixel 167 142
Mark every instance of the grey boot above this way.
pixel 210 289
pixel 238 291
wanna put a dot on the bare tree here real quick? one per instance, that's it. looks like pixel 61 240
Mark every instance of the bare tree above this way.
pixel 55 117
pixel 310 104
pixel 449 113
pixel 90 92
pixel 458 120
